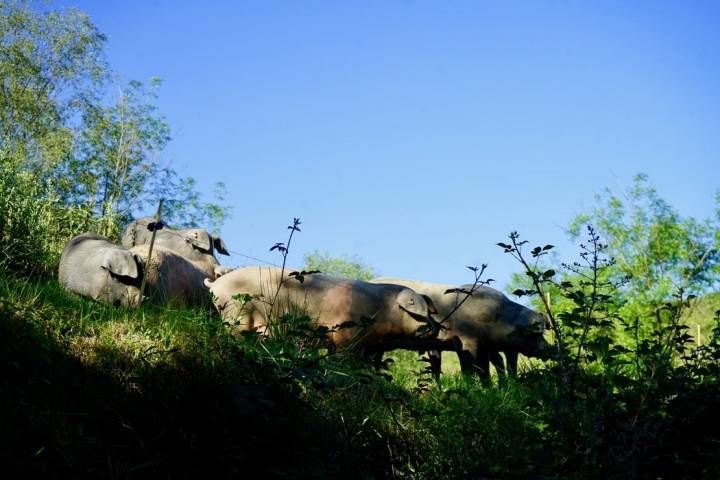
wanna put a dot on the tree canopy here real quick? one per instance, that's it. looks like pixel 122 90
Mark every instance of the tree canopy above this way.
pixel 656 250
pixel 80 150
pixel 342 266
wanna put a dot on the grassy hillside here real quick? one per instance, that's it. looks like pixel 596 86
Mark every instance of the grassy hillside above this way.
pixel 94 390
pixel 88 389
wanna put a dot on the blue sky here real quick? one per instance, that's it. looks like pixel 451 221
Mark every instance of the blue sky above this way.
pixel 418 134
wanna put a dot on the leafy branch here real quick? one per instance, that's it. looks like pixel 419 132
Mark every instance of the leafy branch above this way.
pixel 539 279
pixel 477 272
pixel 284 249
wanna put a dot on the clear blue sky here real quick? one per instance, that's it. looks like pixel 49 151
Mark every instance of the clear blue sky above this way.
pixel 418 134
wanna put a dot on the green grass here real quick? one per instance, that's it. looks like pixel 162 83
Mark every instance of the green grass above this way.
pixel 110 391
pixel 88 389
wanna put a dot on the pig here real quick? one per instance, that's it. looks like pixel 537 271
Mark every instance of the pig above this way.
pixel 195 244
pixel 485 324
pixel 398 312
pixel 92 266
pixel 173 279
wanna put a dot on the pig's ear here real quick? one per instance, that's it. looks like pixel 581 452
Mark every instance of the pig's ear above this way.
pixel 430 304
pixel 139 262
pixel 220 246
pixel 412 303
pixel 120 262
pixel 199 239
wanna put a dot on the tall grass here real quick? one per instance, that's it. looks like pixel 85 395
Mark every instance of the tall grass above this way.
pixel 35 223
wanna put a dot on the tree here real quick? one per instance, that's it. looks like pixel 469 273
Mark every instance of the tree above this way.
pixel 70 160
pixel 653 255
pixel 49 62
pixel 343 266
pixel 185 207
pixel 655 248
pixel 116 166
pixel 118 170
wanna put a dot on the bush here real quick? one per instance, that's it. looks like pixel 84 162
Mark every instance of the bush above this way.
pixel 34 224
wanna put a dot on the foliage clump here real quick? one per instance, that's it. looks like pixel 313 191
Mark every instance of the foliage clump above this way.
pixel 74 159
pixel 611 389
pixel 343 266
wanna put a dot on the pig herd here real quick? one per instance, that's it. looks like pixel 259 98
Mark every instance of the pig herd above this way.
pixel 369 317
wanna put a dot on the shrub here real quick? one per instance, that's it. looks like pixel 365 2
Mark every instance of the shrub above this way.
pixel 34 224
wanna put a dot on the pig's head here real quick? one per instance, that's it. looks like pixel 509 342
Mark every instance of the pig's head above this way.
pixel 418 311
pixel 201 241
pixel 529 337
pixel 119 278
pixel 525 330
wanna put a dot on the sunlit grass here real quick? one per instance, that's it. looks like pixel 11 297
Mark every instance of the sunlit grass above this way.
pixel 109 336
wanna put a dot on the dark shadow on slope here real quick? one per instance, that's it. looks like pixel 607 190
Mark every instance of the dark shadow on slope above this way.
pixel 60 418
